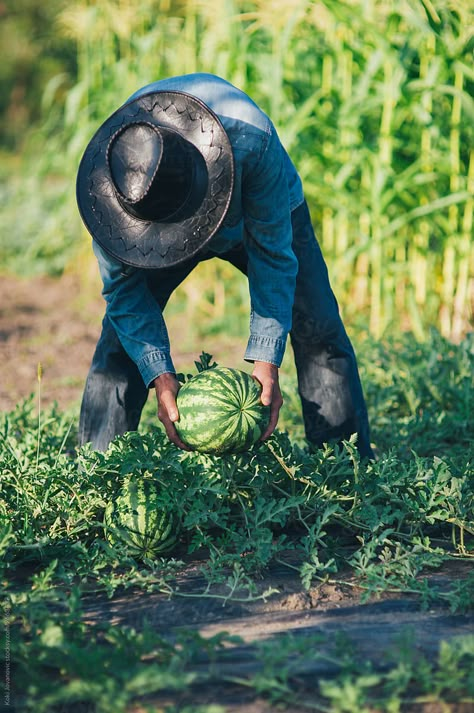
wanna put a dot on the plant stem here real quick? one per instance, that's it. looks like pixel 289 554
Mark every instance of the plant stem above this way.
pixel 39 375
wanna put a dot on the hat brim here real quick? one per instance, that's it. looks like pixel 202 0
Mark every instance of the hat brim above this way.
pixel 153 244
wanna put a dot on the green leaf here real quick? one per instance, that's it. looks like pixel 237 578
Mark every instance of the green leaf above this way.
pixel 204 362
pixel 52 636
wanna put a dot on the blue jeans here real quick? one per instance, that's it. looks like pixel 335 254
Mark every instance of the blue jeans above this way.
pixel 333 405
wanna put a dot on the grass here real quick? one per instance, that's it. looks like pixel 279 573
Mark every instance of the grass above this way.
pixel 325 516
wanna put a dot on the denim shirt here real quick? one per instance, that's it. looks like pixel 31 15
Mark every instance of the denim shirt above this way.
pixel 266 189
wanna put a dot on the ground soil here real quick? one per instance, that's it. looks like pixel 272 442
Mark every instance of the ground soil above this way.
pixel 49 322
pixel 56 322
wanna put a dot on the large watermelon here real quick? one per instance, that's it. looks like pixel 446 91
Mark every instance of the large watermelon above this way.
pixel 137 520
pixel 220 411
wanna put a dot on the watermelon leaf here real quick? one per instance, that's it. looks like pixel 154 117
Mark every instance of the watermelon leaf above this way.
pixel 183 378
pixel 204 362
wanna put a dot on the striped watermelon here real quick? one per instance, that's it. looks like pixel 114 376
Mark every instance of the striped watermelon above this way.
pixel 220 411
pixel 137 520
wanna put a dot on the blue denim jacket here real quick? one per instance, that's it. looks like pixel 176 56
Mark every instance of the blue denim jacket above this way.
pixel 267 188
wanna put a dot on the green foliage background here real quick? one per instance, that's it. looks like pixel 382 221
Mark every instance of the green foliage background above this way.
pixel 373 100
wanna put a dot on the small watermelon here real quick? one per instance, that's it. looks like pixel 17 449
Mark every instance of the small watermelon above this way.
pixel 137 520
pixel 220 411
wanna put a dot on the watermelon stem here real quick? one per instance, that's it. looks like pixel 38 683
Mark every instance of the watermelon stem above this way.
pixel 204 362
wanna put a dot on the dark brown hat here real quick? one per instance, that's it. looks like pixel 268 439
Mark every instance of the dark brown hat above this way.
pixel 155 181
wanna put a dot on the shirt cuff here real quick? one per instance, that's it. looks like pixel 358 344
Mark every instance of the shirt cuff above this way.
pixel 269 349
pixel 154 364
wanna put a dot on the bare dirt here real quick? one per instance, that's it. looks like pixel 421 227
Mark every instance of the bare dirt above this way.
pixel 306 635
pixel 55 323
pixel 49 322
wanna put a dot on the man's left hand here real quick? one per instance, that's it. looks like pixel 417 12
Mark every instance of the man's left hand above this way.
pixel 267 375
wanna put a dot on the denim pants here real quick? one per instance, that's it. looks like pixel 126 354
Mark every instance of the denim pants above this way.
pixel 333 405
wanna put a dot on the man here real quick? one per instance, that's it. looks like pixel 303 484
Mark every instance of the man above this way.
pixel 188 169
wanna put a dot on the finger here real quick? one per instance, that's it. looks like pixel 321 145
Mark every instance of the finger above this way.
pixel 171 431
pixel 168 415
pixel 172 434
pixel 267 386
pixel 168 405
pixel 270 428
pixel 266 396
pixel 274 415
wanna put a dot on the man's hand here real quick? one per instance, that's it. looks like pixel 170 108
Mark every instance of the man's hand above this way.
pixel 267 375
pixel 166 388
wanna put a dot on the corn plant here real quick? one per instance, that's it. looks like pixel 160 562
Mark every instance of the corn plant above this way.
pixel 373 100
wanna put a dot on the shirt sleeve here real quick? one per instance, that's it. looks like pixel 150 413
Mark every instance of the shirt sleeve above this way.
pixel 135 316
pixel 272 263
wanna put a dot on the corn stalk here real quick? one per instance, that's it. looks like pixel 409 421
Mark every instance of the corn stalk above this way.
pixel 373 101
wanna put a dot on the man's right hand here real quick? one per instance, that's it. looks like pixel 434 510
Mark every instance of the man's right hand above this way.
pixel 166 388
